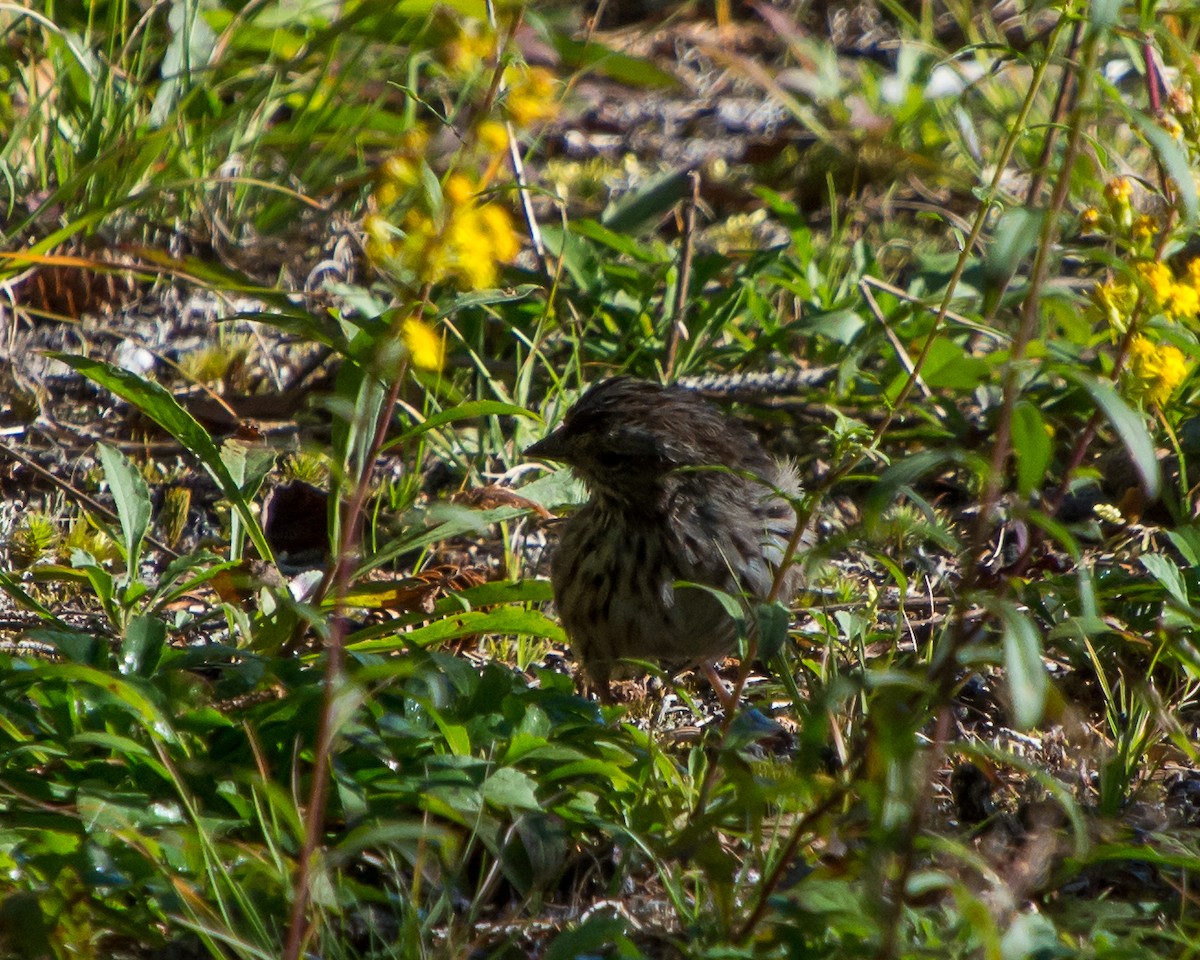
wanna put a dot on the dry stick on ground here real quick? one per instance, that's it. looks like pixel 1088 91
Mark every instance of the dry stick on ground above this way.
pixel 679 329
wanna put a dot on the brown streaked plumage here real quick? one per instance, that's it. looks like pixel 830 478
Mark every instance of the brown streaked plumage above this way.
pixel 658 514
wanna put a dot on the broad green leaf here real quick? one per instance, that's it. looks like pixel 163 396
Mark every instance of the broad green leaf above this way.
pixel 1027 680
pixel 132 498
pixel 482 298
pixel 615 240
pixel 1168 574
pixel 949 367
pixel 157 404
pixel 646 205
pixel 503 620
pixel 773 620
pixel 1015 236
pixel 248 465
pixel 1130 427
pixel 78 646
pixel 143 645
pixel 116 690
pixel 1031 447
pixel 511 790
pixel 595 936
pixel 1187 541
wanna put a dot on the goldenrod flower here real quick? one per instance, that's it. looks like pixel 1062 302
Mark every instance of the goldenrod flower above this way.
pixel 1158 278
pixel 472 48
pixel 1154 370
pixel 492 136
pixel 426 348
pixel 1118 191
pixel 1183 301
pixel 458 190
pixel 381 238
pixel 1089 220
pixel 476 239
pixel 1115 302
pixel 531 95
pixel 1173 127
pixel 1144 227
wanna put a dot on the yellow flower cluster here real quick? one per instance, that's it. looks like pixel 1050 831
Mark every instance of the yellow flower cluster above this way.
pixel 400 173
pixel 425 347
pixel 1115 302
pixel 471 49
pixel 1178 298
pixel 1162 292
pixel 1154 370
pixel 532 95
pixel 468 242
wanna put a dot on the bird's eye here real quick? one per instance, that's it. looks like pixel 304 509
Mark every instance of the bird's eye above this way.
pixel 609 459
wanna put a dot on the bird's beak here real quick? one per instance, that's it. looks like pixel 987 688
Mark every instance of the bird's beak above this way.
pixel 550 447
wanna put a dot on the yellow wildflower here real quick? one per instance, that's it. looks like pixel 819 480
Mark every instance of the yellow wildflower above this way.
pixel 458 190
pixel 495 221
pixel 1193 272
pixel 531 95
pixel 381 238
pixel 1089 220
pixel 1115 302
pixel 492 136
pixel 1155 370
pixel 426 349
pixel 1118 191
pixel 474 242
pixel 1157 276
pixel 472 48
pixel 1173 127
pixel 1184 301
pixel 1144 227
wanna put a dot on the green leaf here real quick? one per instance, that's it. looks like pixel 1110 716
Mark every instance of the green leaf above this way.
pixel 1187 541
pixel 1167 574
pixel 132 498
pixel 248 465
pixel 157 404
pixel 77 646
pixel 143 645
pixel 594 937
pixel 617 241
pixel 637 209
pixel 511 790
pixel 948 366
pixel 1015 236
pixel 773 620
pixel 1174 159
pixel 632 71
pixel 502 620
pixel 1102 14
pixel 900 475
pixel 464 411
pixel 1031 447
pixel 1027 680
pixel 1130 427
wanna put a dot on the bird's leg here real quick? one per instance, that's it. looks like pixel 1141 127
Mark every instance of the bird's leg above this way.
pixel 723 692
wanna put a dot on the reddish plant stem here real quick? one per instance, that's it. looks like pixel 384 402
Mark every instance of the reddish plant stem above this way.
pixel 299 926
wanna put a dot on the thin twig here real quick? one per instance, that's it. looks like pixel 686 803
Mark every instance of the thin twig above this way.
pixel 679 330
